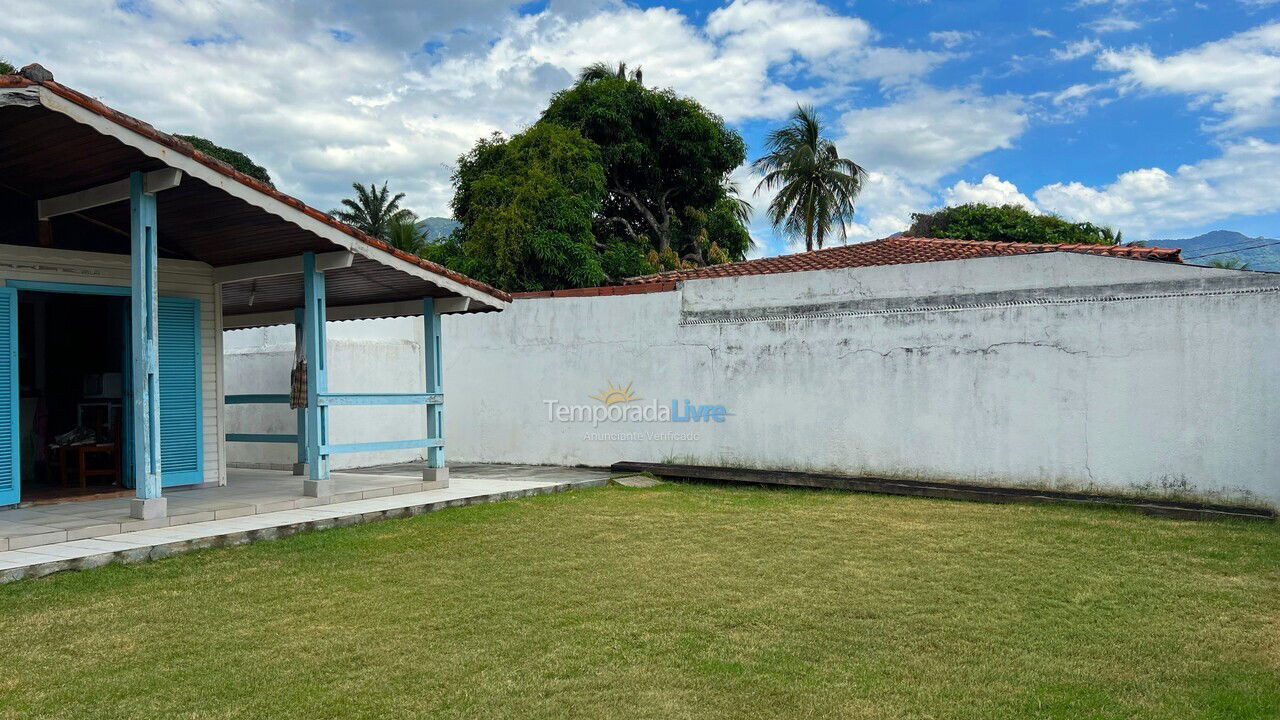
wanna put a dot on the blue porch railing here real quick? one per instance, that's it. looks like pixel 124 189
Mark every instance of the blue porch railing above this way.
pixel 332 400
pixel 312 437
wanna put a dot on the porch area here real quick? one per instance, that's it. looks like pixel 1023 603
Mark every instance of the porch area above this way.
pixel 249 492
pixel 125 253
pixel 253 505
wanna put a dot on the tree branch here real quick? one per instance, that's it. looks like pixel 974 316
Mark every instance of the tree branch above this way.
pixel 625 226
pixel 659 229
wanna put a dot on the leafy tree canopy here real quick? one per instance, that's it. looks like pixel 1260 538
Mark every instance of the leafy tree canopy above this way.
pixel 234 158
pixel 1007 223
pixel 526 206
pixel 662 153
pixel 6 68
pixel 614 180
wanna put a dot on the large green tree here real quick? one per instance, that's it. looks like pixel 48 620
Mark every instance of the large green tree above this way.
pixel 1007 223
pixel 526 206
pixel 6 68
pixel 662 153
pixel 647 169
pixel 815 187
pixel 234 158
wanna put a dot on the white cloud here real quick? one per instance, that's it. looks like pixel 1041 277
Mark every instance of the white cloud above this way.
pixel 1239 77
pixel 885 206
pixel 951 38
pixel 1077 49
pixel 1041 32
pixel 929 132
pixel 1113 23
pixel 326 92
pixel 1243 180
pixel 991 191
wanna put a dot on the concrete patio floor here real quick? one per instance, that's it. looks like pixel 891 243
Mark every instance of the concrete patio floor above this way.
pixel 39 529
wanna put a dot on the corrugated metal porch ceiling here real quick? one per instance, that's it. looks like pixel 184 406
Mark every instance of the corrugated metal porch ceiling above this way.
pixel 44 154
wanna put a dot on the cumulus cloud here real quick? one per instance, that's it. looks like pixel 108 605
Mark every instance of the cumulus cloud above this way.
pixel 990 191
pixel 951 38
pixel 910 143
pixel 1238 77
pixel 325 92
pixel 930 132
pixel 1242 180
pixel 1077 49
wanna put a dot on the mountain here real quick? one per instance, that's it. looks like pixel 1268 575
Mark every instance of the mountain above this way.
pixel 1223 244
pixel 435 228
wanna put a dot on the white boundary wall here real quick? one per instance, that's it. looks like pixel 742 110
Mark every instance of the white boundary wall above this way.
pixel 1057 369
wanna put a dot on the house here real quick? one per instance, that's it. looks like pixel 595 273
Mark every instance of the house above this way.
pixel 124 254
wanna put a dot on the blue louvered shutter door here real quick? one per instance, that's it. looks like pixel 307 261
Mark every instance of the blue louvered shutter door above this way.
pixel 10 467
pixel 181 441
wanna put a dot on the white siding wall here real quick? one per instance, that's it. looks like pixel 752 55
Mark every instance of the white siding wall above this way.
pixel 178 278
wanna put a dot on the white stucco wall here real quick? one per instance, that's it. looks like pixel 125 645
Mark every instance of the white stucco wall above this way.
pixel 1056 369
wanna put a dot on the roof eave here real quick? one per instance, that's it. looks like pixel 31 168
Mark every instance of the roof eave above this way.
pixel 136 134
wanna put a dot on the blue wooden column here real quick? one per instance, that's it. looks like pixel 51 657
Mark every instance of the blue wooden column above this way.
pixel 146 363
pixel 317 422
pixel 435 471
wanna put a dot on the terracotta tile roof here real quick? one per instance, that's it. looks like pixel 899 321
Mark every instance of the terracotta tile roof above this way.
pixel 898 251
pixel 185 148
pixel 634 289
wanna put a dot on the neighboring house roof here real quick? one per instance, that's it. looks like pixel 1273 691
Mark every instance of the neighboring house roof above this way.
pixel 896 251
pixel 184 148
pixel 657 286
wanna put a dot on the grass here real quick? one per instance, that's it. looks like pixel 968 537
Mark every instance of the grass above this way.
pixel 676 601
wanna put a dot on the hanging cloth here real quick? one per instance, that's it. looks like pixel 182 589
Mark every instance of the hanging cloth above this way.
pixel 298 378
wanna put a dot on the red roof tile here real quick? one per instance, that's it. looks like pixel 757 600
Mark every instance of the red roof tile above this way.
pixel 632 289
pixel 185 148
pixel 898 251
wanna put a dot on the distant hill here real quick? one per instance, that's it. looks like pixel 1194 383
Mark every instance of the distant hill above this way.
pixel 1224 244
pixel 435 228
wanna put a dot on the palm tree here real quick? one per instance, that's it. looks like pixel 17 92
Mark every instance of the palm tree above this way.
pixel 1229 263
pixel 403 234
pixel 741 206
pixel 816 187
pixel 373 210
pixel 600 71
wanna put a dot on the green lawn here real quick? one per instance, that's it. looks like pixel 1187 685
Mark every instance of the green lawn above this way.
pixel 677 601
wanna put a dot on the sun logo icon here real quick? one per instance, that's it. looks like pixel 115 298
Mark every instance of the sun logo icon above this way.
pixel 615 394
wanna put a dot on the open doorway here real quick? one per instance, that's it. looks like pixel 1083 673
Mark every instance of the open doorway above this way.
pixel 72 375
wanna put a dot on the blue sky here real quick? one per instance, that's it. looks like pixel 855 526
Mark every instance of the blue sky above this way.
pixel 1159 118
